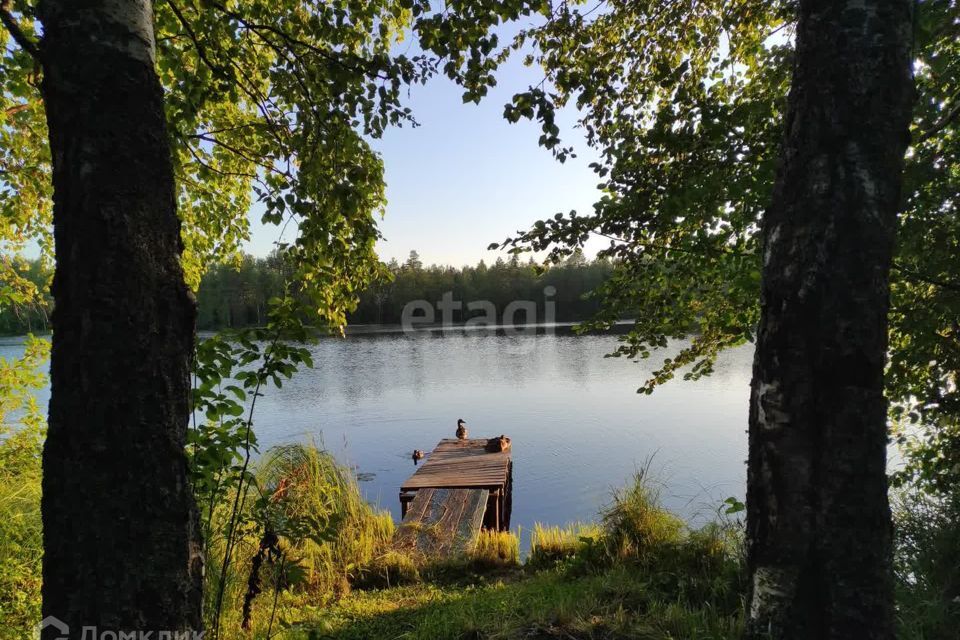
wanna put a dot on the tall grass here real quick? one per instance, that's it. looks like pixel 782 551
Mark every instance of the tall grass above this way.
pixel 324 530
pixel 692 566
pixel 635 523
pixel 640 573
pixel 21 533
pixel 495 549
pixel 551 544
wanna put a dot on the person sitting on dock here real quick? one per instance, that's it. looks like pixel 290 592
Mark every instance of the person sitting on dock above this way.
pixel 461 429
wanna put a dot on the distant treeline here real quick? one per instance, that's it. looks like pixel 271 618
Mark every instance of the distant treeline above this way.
pixel 234 296
pixel 237 297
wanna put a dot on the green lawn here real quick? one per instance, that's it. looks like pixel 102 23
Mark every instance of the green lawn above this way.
pixel 620 602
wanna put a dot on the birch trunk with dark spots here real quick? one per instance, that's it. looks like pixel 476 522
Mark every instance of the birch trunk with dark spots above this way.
pixel 121 545
pixel 818 519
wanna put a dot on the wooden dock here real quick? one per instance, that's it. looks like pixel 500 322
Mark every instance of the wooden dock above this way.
pixel 459 489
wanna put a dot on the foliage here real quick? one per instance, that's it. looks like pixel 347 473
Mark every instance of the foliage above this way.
pixel 315 503
pixel 273 101
pixel 18 380
pixel 928 576
pixel 922 375
pixel 237 294
pixel 230 374
pixel 319 529
pixel 684 103
pixel 29 313
pixel 21 533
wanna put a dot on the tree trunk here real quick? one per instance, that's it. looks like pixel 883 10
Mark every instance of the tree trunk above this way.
pixel 818 520
pixel 121 548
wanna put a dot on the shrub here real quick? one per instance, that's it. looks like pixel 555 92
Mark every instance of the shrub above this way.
pixel 312 511
pixel 317 505
pixel 635 524
pixel 927 536
pixel 691 566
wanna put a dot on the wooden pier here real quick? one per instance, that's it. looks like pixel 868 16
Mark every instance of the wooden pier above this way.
pixel 459 489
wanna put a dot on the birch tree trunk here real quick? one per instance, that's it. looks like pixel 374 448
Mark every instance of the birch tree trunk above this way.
pixel 819 528
pixel 120 536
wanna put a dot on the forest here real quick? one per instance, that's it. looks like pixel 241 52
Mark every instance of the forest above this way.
pixel 235 297
pixel 236 294
pixel 775 175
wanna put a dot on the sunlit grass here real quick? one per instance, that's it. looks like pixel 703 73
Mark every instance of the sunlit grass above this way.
pixel 496 549
pixel 635 523
pixel 550 544
pixel 21 534
pixel 617 603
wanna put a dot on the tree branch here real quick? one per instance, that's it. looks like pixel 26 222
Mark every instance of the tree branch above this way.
pixel 201 50
pixel 944 121
pixel 296 42
pixel 919 277
pixel 248 156
pixel 17 108
pixel 21 38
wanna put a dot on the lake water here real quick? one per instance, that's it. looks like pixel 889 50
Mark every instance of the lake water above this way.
pixel 579 428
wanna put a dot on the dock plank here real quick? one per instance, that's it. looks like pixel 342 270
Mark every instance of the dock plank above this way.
pixel 442 522
pixel 461 464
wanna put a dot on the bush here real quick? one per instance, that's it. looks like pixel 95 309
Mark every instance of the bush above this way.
pixel 927 531
pixel 325 535
pixel 635 523
pixel 690 566
pixel 318 504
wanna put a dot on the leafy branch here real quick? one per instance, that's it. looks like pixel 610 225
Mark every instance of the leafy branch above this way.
pixel 16 32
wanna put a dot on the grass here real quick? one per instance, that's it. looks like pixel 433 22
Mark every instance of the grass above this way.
pixel 640 572
pixel 21 533
pixel 635 523
pixel 616 603
pixel 496 550
pixel 580 581
pixel 329 537
pixel 552 544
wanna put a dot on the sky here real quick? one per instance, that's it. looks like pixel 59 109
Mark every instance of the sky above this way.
pixel 466 177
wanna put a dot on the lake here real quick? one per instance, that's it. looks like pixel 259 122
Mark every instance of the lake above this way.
pixel 579 428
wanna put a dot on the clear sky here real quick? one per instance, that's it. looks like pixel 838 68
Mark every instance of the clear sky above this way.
pixel 466 177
